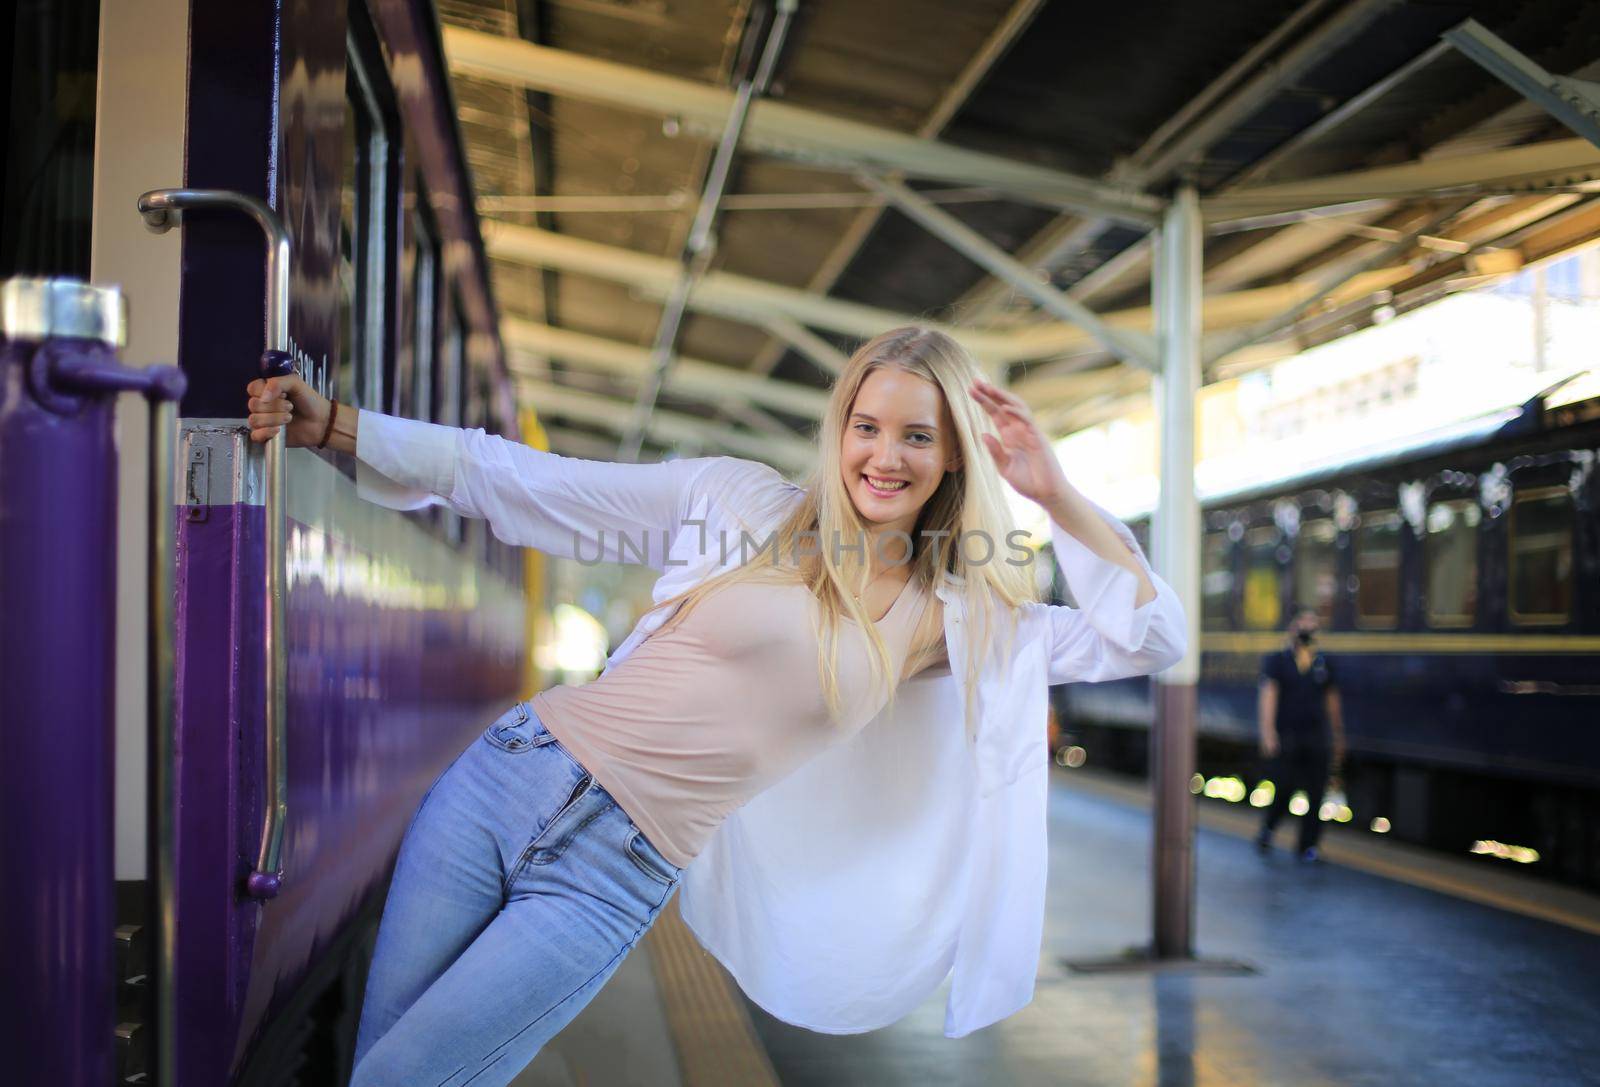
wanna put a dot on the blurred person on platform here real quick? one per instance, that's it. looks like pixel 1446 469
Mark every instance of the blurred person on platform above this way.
pixel 1301 724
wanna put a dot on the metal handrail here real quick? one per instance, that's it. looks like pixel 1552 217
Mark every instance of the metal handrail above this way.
pixel 161 693
pixel 162 210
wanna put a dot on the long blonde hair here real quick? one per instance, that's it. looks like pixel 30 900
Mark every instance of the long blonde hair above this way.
pixel 969 499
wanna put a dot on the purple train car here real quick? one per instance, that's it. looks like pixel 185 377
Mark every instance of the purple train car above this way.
pixel 201 824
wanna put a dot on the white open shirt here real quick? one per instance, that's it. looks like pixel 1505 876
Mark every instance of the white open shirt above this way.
pixel 842 896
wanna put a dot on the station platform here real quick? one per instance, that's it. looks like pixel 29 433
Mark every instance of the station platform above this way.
pixel 1383 964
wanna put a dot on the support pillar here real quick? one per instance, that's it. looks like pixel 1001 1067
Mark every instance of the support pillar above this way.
pixel 1176 547
pixel 1176 555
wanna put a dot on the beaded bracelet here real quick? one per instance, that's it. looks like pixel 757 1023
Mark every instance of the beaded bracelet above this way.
pixel 333 413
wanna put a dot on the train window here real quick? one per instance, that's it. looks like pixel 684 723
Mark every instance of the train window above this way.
pixel 425 307
pixel 449 363
pixel 447 370
pixel 1216 582
pixel 344 366
pixel 1377 547
pixel 1263 598
pixel 1450 557
pixel 1541 556
pixel 1316 566
pixel 363 265
pixel 468 393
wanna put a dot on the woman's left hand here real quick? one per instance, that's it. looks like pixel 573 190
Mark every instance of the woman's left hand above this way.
pixel 1021 452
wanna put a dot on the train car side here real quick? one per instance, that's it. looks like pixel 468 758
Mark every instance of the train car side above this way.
pixel 404 631
pixel 1459 590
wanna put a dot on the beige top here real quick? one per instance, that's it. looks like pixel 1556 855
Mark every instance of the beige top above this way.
pixel 707 712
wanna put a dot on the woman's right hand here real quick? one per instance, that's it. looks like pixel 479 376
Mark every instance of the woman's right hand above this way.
pixel 286 402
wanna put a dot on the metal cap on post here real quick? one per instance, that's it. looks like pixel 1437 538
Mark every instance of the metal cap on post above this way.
pixel 34 310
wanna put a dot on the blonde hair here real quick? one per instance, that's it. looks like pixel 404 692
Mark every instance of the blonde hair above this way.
pixel 969 499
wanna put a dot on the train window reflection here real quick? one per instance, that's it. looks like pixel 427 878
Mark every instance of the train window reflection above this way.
pixel 345 365
pixel 363 267
pixel 1216 582
pixel 425 305
pixel 1377 547
pixel 1316 567
pixel 447 385
pixel 1450 556
pixel 447 371
pixel 1263 600
pixel 1541 556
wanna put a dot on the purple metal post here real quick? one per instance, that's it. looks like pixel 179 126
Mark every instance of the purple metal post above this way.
pixel 58 501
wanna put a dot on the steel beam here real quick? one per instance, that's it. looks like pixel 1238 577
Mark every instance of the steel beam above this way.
pixel 756 302
pixel 1513 169
pixel 1232 310
pixel 580 443
pixel 1366 259
pixel 1129 345
pixel 955 96
pixel 670 427
pixel 1573 102
pixel 742 411
pixel 827 357
pixel 725 294
pixel 673 202
pixel 780 129
pixel 697 247
pixel 1230 98
pixel 1337 116
pixel 1177 557
pixel 1271 78
pixel 705 379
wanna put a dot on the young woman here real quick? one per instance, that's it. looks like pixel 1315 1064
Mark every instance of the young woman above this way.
pixel 842 871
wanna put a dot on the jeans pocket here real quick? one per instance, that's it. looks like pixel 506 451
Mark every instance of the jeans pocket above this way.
pixel 517 730
pixel 648 859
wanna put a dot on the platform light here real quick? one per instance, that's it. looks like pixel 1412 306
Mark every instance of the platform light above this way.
pixel 1520 853
pixel 1197 784
pixel 1380 825
pixel 1299 805
pixel 1344 814
pixel 1071 756
pixel 1261 796
pixel 1230 789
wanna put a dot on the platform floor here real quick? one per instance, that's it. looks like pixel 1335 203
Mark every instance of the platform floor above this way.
pixel 1357 978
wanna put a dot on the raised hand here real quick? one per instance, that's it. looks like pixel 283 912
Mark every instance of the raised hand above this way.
pixel 286 402
pixel 1021 452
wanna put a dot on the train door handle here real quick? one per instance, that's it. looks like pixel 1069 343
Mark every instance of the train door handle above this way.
pixel 162 210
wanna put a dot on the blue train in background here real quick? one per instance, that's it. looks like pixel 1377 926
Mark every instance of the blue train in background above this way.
pixel 1458 584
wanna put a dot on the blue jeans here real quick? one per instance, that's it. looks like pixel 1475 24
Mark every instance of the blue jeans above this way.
pixel 519 888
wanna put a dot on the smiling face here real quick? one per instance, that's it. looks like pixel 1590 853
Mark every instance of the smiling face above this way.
pixel 898 443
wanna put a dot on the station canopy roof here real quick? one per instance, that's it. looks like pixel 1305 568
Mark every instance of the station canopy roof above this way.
pixel 1347 159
